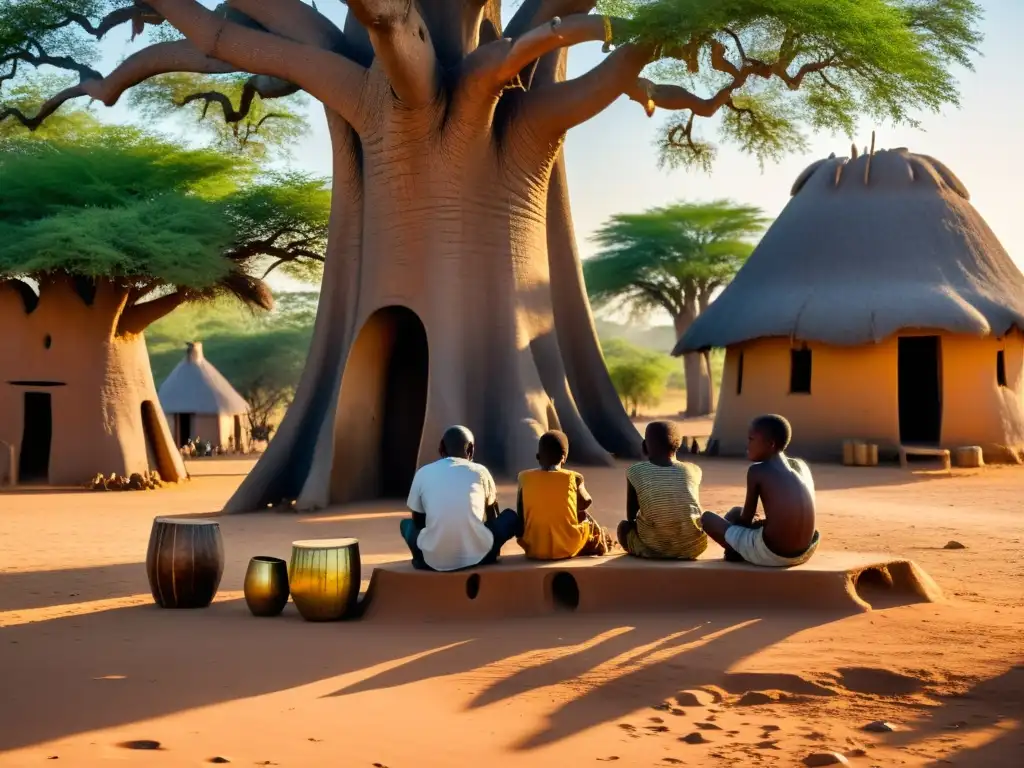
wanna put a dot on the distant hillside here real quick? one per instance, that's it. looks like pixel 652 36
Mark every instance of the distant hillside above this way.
pixel 657 338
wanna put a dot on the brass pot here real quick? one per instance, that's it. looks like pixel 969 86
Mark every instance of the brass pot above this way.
pixel 325 578
pixel 266 586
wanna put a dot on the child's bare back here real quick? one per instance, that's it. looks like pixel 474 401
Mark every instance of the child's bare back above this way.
pixel 786 491
pixel 784 488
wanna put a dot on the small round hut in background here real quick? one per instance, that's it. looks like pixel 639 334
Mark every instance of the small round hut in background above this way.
pixel 879 306
pixel 199 402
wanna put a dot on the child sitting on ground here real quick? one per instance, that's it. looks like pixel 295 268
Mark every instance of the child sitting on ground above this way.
pixel 553 504
pixel 786 535
pixel 662 500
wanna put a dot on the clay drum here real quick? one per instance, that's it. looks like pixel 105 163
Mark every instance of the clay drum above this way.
pixel 325 578
pixel 266 586
pixel 184 562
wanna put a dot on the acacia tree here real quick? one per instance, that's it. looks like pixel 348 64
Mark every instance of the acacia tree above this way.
pixel 675 259
pixel 450 195
pixel 117 230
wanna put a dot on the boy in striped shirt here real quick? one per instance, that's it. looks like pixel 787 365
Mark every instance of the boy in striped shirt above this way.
pixel 663 501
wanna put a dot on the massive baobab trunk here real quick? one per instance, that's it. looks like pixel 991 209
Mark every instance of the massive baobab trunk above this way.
pixel 452 294
pixel 76 389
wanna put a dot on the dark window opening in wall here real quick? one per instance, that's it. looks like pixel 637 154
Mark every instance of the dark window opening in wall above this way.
pixel 1001 368
pixel 739 375
pixel 800 371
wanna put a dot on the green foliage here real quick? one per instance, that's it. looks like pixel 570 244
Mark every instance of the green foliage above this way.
pixel 639 376
pixel 883 59
pixel 111 166
pixel 152 214
pixel 69 124
pixel 170 238
pixel 266 125
pixel 670 258
pixel 67 35
pixel 38 20
pixel 258 354
pixel 293 203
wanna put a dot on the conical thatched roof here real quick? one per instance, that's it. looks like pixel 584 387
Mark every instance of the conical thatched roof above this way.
pixel 866 247
pixel 195 386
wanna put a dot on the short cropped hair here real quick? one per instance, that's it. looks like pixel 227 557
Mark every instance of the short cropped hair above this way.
pixel 457 441
pixel 663 437
pixel 552 447
pixel 776 428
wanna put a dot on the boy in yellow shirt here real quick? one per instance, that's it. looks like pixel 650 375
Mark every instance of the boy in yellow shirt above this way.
pixel 553 504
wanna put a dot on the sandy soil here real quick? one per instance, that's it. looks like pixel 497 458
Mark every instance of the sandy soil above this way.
pixel 88 663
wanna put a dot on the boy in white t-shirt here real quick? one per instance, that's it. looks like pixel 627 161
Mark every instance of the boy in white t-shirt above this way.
pixel 455 521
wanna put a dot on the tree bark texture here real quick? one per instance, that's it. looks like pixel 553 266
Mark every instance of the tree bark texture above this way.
pixel 696 369
pixel 66 362
pixel 450 224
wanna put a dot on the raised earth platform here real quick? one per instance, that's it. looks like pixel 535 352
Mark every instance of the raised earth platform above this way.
pixel 837 581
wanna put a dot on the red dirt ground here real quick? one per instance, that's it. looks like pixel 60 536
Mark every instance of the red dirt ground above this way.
pixel 87 662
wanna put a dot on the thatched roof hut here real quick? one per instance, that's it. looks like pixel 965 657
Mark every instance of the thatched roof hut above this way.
pixel 880 271
pixel 201 402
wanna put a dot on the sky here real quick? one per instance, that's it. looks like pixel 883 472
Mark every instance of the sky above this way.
pixel 613 164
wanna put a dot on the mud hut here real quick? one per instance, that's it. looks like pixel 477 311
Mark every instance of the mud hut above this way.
pixel 77 398
pixel 199 402
pixel 879 306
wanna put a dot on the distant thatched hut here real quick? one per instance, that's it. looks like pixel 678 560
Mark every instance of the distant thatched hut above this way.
pixel 878 306
pixel 199 402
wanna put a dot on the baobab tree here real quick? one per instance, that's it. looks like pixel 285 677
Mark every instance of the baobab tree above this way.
pixel 100 238
pixel 453 292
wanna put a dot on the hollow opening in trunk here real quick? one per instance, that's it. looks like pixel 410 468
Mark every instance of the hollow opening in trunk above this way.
pixel 381 408
pixel 156 449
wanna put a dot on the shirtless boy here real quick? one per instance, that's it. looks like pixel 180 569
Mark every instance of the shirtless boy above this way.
pixel 786 535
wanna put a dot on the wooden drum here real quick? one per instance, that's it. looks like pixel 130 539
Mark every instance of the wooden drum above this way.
pixel 324 576
pixel 185 562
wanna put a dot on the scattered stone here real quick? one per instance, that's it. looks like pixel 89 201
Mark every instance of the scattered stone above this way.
pixel 140 744
pixel 663 707
pixel 708 726
pixel 754 699
pixel 857 753
pixel 770 744
pixel 53 757
pixel 770 728
pixel 656 720
pixel 608 759
pixel 816 759
pixel 693 699
pixel 312 739
pixel 658 728
pixel 627 727
pixel 677 711
pixel 879 726
pixel 219 759
pixel 694 738
pixel 954 545
pixel 672 760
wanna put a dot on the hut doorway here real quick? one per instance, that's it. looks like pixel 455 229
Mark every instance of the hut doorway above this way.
pixel 920 390
pixel 36 437
pixel 381 408
pixel 184 428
